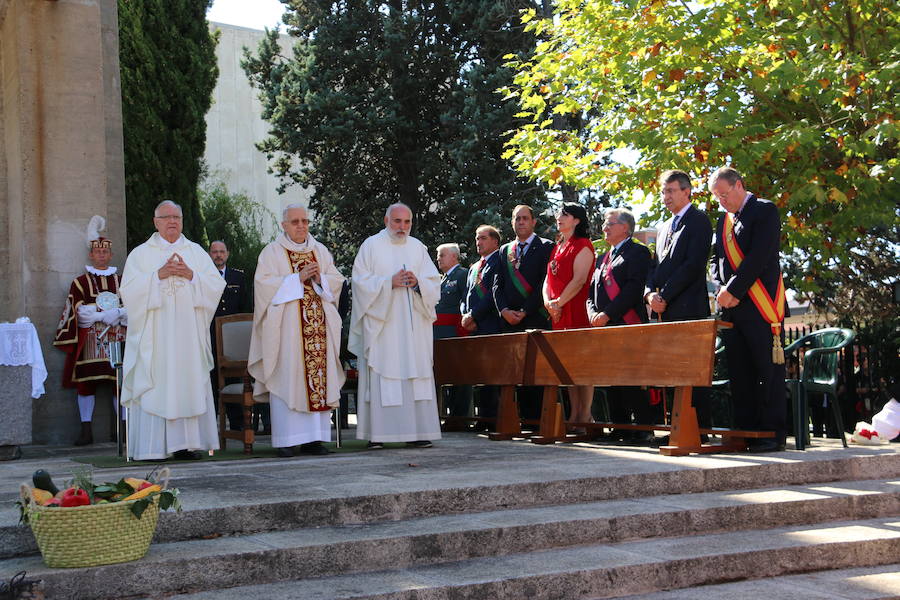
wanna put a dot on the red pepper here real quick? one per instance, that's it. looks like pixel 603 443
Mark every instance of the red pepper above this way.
pixel 75 497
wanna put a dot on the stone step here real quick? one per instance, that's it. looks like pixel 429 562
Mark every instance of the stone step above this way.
pixel 208 564
pixel 613 570
pixel 229 505
pixel 865 583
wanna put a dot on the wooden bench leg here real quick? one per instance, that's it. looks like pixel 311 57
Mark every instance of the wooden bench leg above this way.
pixel 508 424
pixel 684 437
pixel 552 427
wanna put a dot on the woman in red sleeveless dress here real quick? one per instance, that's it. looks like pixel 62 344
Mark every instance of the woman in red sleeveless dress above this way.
pixel 566 290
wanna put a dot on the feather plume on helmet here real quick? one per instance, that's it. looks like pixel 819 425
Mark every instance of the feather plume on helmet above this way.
pixel 93 237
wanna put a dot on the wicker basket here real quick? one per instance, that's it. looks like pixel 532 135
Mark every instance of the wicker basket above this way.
pixel 88 536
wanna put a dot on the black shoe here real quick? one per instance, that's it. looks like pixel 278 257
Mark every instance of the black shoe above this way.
pixel 664 440
pixel 284 452
pixel 419 444
pixel 87 435
pixel 375 446
pixel 314 448
pixel 641 437
pixel 186 455
pixel 764 445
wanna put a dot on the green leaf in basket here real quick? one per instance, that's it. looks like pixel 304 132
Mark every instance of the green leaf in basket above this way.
pixel 140 506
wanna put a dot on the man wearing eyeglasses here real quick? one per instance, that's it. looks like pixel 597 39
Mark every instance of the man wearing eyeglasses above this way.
pixel 676 288
pixel 171 289
pixel 746 266
pixel 616 297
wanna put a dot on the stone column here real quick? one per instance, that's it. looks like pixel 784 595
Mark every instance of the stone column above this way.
pixel 61 162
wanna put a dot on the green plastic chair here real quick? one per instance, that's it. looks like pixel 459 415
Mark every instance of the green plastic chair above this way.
pixel 819 375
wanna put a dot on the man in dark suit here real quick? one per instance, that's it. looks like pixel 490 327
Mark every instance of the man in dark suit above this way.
pixel 676 287
pixel 454 286
pixel 233 300
pixel 517 292
pixel 479 313
pixel 746 266
pixel 616 297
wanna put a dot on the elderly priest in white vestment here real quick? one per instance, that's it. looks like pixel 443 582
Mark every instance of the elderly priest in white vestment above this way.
pixel 296 340
pixel 395 289
pixel 171 288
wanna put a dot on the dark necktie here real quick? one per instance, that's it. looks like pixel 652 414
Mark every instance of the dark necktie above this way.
pixel 522 246
pixel 222 273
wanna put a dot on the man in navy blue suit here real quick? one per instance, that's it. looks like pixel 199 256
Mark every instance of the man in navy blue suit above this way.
pixel 517 292
pixel 479 313
pixel 616 297
pixel 746 266
pixel 676 288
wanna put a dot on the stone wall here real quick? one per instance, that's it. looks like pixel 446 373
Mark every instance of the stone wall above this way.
pixel 60 163
pixel 234 125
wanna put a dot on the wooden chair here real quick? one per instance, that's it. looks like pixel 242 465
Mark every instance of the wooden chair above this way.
pixel 818 375
pixel 232 350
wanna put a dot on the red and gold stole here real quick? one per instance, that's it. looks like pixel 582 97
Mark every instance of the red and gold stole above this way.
pixel 771 310
pixel 313 346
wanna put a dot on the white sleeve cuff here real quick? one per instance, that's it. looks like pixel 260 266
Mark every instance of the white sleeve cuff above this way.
pixel 291 289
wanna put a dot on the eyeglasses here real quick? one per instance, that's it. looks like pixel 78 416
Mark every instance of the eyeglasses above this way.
pixel 720 195
pixel 169 217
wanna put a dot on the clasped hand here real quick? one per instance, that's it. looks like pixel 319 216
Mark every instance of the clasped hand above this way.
pixel 404 278
pixel 175 267
pixel 310 271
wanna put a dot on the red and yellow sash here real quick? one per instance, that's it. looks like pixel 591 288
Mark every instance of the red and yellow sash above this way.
pixel 770 310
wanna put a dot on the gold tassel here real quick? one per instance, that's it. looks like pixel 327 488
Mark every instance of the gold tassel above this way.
pixel 777 351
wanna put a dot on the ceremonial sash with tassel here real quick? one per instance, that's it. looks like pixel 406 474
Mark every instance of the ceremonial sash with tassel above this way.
pixel 521 284
pixel 771 311
pixel 612 289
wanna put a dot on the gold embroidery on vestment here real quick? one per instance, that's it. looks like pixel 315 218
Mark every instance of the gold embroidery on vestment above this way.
pixel 313 347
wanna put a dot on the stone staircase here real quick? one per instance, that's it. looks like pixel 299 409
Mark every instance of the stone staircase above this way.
pixel 786 529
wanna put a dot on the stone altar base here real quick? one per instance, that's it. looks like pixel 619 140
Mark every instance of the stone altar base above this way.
pixel 475 519
pixel 15 410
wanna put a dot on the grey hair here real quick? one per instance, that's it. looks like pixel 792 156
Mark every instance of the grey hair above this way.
pixel 453 248
pixel 387 212
pixel 729 174
pixel 292 207
pixel 166 203
pixel 624 215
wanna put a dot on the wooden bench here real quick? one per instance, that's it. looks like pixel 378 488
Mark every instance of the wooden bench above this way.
pixel 679 355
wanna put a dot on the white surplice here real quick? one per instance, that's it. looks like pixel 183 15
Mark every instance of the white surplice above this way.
pixel 168 358
pixel 391 335
pixel 276 345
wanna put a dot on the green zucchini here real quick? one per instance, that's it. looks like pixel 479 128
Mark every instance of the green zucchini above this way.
pixel 42 480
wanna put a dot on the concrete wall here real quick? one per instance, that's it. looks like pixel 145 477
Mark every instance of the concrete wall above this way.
pixel 234 125
pixel 60 163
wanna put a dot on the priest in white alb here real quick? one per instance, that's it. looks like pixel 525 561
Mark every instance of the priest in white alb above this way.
pixel 296 339
pixel 395 289
pixel 170 288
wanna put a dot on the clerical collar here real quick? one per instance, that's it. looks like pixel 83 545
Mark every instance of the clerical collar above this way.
pixel 100 272
pixel 166 243
pixel 290 244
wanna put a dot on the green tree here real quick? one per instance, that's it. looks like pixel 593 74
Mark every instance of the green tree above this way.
pixel 392 101
pixel 799 95
pixel 168 67
pixel 243 224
